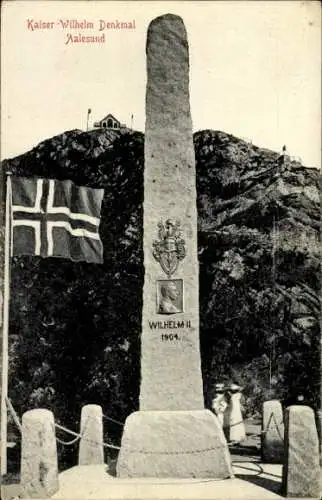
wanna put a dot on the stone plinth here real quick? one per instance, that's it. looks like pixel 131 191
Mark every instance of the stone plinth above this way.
pixel 272 435
pixel 301 470
pixel 91 450
pixel 183 444
pixel 39 467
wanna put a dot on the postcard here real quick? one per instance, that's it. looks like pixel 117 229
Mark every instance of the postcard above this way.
pixel 160 249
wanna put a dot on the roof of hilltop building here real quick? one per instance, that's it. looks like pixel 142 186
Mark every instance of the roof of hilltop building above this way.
pixel 109 121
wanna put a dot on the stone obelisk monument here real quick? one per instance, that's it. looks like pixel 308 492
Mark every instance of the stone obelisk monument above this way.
pixel 172 435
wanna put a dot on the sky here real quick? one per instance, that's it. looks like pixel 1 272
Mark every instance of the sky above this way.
pixel 255 70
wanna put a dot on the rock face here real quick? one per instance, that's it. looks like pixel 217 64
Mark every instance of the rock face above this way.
pixel 301 469
pixel 272 437
pixel 258 247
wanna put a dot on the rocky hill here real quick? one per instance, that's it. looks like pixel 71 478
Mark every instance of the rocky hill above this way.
pixel 259 220
pixel 75 327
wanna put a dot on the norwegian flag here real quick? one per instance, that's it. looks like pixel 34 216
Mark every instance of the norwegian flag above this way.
pixel 52 218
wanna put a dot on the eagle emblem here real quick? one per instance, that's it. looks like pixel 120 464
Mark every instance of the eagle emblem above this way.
pixel 169 249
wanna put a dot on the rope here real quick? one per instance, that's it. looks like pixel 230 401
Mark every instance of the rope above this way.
pixel 237 423
pixel 13 414
pixel 189 452
pixel 113 420
pixel 62 428
pixel 68 443
pixel 259 472
pixel 233 425
pixel 105 445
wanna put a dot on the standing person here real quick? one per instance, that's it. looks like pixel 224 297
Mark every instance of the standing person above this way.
pixel 219 403
pixel 236 431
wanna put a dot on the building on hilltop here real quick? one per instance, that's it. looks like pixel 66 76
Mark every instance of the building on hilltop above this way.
pixel 109 122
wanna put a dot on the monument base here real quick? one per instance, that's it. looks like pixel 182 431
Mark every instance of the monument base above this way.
pixel 180 444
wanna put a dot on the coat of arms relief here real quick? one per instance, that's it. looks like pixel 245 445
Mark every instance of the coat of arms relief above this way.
pixel 169 249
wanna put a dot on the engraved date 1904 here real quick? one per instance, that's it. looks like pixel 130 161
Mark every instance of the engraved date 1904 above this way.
pixel 165 337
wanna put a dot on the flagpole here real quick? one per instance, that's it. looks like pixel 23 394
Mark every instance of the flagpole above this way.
pixel 88 113
pixel 5 328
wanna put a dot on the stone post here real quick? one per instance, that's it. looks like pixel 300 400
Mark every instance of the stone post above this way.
pixel 301 469
pixel 172 435
pixel 272 435
pixel 39 465
pixel 91 451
